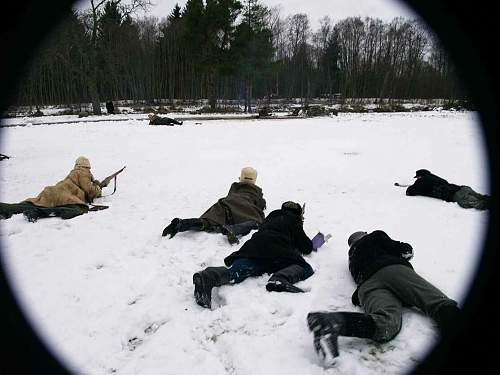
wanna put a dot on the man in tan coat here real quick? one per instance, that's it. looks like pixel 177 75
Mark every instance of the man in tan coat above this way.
pixel 67 199
pixel 234 215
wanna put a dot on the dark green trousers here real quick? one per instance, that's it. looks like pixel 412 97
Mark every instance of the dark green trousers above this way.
pixel 391 288
pixel 466 197
pixel 67 211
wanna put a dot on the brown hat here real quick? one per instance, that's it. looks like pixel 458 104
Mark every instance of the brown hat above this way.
pixel 248 175
pixel 82 161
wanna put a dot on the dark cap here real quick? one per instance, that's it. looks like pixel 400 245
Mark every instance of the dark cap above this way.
pixel 293 207
pixel 355 237
pixel 421 173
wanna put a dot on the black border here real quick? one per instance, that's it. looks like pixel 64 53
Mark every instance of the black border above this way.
pixel 466 30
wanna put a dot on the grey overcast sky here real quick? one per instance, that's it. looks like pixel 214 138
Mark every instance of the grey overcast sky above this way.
pixel 315 9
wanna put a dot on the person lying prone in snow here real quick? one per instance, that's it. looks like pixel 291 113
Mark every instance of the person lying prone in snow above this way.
pixel 276 248
pixel 67 199
pixel 154 119
pixel 430 185
pixel 237 214
pixel 386 282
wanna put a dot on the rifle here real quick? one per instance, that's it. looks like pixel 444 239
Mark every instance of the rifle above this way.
pixel 400 185
pixel 108 179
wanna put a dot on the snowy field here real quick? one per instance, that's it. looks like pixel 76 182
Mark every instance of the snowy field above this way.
pixel 111 295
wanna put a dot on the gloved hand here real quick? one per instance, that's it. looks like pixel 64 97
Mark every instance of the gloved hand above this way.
pixel 97 182
pixel 408 255
pixel 318 240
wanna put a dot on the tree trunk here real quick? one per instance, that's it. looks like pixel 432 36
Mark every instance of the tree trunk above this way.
pixel 212 100
pixel 94 94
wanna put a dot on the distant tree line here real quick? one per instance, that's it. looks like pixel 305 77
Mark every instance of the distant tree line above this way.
pixel 230 49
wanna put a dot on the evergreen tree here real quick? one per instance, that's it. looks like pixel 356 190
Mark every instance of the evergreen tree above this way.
pixel 253 49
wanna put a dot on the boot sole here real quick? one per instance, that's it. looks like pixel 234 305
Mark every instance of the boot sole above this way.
pixel 324 345
pixel 200 296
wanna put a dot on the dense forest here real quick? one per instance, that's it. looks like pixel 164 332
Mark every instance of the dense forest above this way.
pixel 230 49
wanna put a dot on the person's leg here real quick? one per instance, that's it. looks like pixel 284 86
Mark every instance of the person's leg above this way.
pixel 380 322
pixel 414 291
pixel 384 307
pixel 181 225
pixel 9 209
pixel 482 201
pixel 466 197
pixel 327 327
pixel 67 211
pixel 243 268
pixel 211 277
pixel 283 279
pixel 205 281
pixel 241 229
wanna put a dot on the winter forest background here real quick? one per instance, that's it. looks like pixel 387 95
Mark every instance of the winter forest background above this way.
pixel 232 50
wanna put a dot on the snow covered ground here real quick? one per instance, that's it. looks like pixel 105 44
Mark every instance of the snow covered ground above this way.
pixel 111 295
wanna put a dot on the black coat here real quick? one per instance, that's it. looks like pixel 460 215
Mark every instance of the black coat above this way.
pixel 157 120
pixel 110 108
pixel 373 252
pixel 280 237
pixel 433 186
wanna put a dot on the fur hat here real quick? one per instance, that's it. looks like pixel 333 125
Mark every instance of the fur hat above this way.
pixel 82 161
pixel 151 116
pixel 248 175
pixel 421 173
pixel 355 237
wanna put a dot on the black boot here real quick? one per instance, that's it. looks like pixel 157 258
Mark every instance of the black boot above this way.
pixel 231 236
pixel 182 225
pixel 448 318
pixel 207 279
pixel 327 327
pixel 172 228
pixel 241 229
pixel 278 283
pixel 283 280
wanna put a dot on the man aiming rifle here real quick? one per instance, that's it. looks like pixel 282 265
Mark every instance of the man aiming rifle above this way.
pixel 67 199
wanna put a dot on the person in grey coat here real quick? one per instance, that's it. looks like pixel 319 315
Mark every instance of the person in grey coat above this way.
pixel 239 212
pixel 386 282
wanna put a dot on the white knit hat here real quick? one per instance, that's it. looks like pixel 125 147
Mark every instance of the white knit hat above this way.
pixel 248 175
pixel 82 161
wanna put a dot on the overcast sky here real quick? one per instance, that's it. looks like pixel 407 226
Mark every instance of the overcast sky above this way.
pixel 316 9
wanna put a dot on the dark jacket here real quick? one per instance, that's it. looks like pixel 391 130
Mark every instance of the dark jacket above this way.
pixel 373 252
pixel 110 108
pixel 280 237
pixel 157 120
pixel 243 202
pixel 433 186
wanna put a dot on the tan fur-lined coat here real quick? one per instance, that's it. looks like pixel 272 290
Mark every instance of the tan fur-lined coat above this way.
pixel 77 188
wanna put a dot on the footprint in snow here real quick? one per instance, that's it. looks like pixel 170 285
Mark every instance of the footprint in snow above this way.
pixel 135 341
